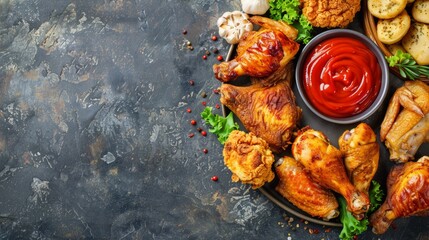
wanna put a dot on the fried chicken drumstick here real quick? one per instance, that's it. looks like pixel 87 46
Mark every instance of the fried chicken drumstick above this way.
pixel 361 153
pixel 325 164
pixel 262 54
pixel 407 194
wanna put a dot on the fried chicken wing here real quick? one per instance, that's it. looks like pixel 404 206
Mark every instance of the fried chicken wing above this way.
pixel 325 164
pixel 361 153
pixel 296 185
pixel 407 194
pixel 403 130
pixel 330 14
pixel 262 54
pixel 249 159
pixel 269 112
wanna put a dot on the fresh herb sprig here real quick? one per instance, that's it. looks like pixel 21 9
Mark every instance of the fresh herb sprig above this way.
pixel 407 66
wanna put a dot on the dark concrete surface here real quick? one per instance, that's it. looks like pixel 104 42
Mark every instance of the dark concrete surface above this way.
pixel 94 128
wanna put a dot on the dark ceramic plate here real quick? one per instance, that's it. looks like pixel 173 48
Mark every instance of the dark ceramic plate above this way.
pixel 333 132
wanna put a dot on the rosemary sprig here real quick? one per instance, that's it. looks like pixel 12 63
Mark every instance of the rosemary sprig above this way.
pixel 407 66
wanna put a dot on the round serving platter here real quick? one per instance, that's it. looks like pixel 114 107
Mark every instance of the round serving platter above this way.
pixel 333 132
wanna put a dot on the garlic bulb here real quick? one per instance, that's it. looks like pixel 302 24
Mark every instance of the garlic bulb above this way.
pixel 256 7
pixel 232 25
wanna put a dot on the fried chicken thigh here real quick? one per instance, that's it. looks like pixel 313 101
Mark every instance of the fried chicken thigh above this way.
pixel 325 164
pixel 361 154
pixel 407 194
pixel 296 185
pixel 404 129
pixel 249 159
pixel 330 13
pixel 262 54
pixel 269 112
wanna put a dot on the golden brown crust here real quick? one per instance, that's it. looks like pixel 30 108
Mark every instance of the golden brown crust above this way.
pixel 296 185
pixel 249 159
pixel 330 14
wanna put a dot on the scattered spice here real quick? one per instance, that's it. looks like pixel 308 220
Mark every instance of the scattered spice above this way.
pixel 199 129
pixel 217 106
pixel 219 58
pixel 193 122
pixel 216 91
pixel 205 151
pixel 188 110
pixel 203 94
pixel 191 82
pixel 191 135
pixel 214 38
pixel 204 133
pixel 215 178
pixel 184 31
pixel 205 57
pixel 204 103
pixel 215 50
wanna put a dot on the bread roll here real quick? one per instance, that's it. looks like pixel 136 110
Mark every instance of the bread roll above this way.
pixel 385 9
pixel 420 11
pixel 390 31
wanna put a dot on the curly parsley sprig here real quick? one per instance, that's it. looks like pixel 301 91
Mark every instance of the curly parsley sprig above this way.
pixel 407 66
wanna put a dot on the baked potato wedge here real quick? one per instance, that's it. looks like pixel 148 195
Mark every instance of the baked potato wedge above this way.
pixel 416 42
pixel 392 30
pixel 420 11
pixel 385 9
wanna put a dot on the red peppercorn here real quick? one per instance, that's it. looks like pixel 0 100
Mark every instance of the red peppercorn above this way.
pixel 214 38
pixel 216 91
pixel 199 129
pixel 205 57
pixel 219 58
pixel 205 151
pixel 193 122
pixel 214 178
pixel 184 32
pixel 204 133
pixel 191 135
pixel 191 82
pixel 204 103
pixel 217 106
pixel 188 110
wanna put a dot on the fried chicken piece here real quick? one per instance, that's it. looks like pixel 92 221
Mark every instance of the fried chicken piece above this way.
pixel 361 153
pixel 296 185
pixel 403 130
pixel 330 14
pixel 261 53
pixel 249 159
pixel 407 194
pixel 269 112
pixel 325 164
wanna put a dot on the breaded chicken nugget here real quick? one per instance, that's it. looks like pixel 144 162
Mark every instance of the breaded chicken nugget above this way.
pixel 330 14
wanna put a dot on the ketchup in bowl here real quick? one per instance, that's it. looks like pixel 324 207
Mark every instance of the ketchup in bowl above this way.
pixel 341 77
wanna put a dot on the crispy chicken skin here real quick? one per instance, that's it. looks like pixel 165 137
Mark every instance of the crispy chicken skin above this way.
pixel 330 14
pixel 407 194
pixel 406 123
pixel 361 153
pixel 249 159
pixel 325 164
pixel 296 185
pixel 270 112
pixel 262 54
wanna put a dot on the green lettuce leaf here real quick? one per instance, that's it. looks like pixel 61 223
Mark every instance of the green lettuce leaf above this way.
pixel 220 126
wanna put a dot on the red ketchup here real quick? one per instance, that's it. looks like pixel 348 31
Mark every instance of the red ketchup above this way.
pixel 342 77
